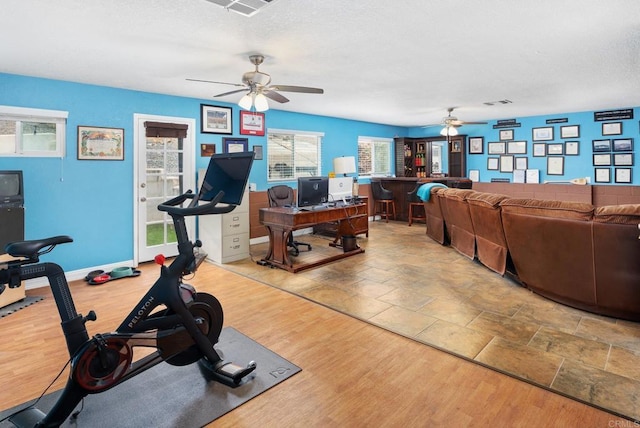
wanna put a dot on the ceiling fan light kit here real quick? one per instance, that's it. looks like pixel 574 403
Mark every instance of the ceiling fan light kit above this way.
pixel 259 89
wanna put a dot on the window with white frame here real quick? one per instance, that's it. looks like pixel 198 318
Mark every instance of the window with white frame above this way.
pixel 293 154
pixel 32 132
pixel 374 156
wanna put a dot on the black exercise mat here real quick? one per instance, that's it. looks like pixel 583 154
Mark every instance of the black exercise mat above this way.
pixel 170 396
pixel 20 304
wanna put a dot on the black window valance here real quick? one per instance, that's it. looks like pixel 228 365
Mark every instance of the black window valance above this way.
pixel 167 130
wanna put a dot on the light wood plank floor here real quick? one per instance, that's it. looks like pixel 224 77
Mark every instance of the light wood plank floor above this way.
pixel 353 373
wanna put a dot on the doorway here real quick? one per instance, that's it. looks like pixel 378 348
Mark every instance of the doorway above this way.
pixel 164 167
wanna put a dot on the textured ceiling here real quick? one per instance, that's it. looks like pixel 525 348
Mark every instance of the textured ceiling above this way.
pixel 393 62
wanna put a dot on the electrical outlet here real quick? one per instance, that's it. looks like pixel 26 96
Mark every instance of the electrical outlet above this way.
pixel 253 187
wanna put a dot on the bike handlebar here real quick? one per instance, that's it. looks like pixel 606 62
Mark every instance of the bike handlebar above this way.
pixel 172 206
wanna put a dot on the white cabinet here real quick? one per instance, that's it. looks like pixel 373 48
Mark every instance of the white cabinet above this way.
pixel 225 237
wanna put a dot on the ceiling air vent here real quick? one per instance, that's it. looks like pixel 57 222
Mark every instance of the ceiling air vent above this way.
pixel 493 103
pixel 243 7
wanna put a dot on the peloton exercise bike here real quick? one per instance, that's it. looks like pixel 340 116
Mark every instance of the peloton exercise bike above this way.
pixel 181 324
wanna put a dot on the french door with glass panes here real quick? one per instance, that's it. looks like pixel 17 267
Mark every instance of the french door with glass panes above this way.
pixel 165 168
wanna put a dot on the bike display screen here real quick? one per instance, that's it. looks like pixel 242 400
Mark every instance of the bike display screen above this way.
pixel 227 172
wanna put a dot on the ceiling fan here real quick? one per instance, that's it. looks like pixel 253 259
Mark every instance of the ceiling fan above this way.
pixel 258 88
pixel 451 123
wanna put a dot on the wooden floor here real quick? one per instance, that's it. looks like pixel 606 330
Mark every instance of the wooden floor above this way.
pixel 353 373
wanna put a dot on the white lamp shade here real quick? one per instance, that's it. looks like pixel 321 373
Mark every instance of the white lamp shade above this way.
pixel 246 102
pixel 344 165
pixel 449 130
pixel 260 102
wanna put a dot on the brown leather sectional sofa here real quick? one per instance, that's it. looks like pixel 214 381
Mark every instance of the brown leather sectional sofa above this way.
pixel 574 253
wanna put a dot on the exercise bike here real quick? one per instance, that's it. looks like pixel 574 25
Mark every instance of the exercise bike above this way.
pixel 181 324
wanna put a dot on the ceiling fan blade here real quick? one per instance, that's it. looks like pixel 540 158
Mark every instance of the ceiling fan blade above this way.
pixel 275 96
pixel 213 81
pixel 231 92
pixel 303 89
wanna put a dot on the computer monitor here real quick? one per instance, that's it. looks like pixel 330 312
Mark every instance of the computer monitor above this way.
pixel 312 191
pixel 228 172
pixel 340 188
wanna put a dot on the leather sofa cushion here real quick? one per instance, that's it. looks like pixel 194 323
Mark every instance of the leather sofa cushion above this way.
pixel 619 214
pixel 555 209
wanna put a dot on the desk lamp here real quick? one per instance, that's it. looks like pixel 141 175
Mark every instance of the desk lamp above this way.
pixel 347 165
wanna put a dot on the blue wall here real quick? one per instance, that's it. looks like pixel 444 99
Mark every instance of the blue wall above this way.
pixel 574 166
pixel 92 201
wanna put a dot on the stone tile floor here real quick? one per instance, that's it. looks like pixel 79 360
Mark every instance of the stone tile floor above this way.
pixel 409 284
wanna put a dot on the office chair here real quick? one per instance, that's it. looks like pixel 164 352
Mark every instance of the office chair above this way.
pixel 382 197
pixel 280 196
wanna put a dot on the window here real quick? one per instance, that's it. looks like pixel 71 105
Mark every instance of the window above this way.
pixel 293 154
pixel 374 156
pixel 32 132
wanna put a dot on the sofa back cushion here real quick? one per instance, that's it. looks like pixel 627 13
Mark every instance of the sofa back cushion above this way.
pixel 491 245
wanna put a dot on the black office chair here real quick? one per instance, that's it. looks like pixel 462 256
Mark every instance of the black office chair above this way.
pixel 382 198
pixel 280 196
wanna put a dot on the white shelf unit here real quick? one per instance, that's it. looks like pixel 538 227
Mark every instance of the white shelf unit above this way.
pixel 225 237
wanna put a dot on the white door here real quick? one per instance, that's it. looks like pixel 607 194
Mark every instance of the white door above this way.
pixel 164 167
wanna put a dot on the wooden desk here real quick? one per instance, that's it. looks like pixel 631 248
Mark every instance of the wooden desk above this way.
pixel 281 222
pixel 11 295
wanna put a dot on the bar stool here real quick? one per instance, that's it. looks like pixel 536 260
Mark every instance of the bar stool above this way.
pixel 416 206
pixel 382 197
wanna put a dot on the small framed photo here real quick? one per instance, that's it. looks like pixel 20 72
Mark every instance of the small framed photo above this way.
pixel 602 159
pixel 623 159
pixel 517 147
pixel 601 145
pixel 623 145
pixel 493 164
pixel 251 123
pixel 572 148
pixel 570 131
pixel 474 175
pixel 612 128
pixel 215 119
pixel 97 143
pixel 235 145
pixel 623 175
pixel 257 152
pixel 497 148
pixel 543 134
pixel 455 147
pixel 522 163
pixel 207 150
pixel 476 145
pixel 603 175
pixel 506 163
pixel 555 149
pixel 506 134
pixel 539 149
pixel 555 165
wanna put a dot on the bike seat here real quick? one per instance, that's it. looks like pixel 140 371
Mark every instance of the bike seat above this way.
pixel 31 248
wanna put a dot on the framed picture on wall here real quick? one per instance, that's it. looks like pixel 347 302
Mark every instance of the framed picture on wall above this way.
pixel 215 119
pixel 602 175
pixel 572 148
pixel 602 159
pixel 601 145
pixel 539 149
pixel 506 134
pixel 623 175
pixel 623 145
pixel 555 165
pixel 555 149
pixel 517 147
pixel 97 143
pixel 612 128
pixel 251 123
pixel 543 134
pixel 235 145
pixel 623 159
pixel 570 131
pixel 522 162
pixel 497 148
pixel 492 164
pixel 506 163
pixel 476 145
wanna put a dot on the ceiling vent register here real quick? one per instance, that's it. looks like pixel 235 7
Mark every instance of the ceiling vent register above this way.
pixel 243 7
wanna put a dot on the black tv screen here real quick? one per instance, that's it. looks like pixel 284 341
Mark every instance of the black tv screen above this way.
pixel 227 172
pixel 312 191
pixel 11 187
